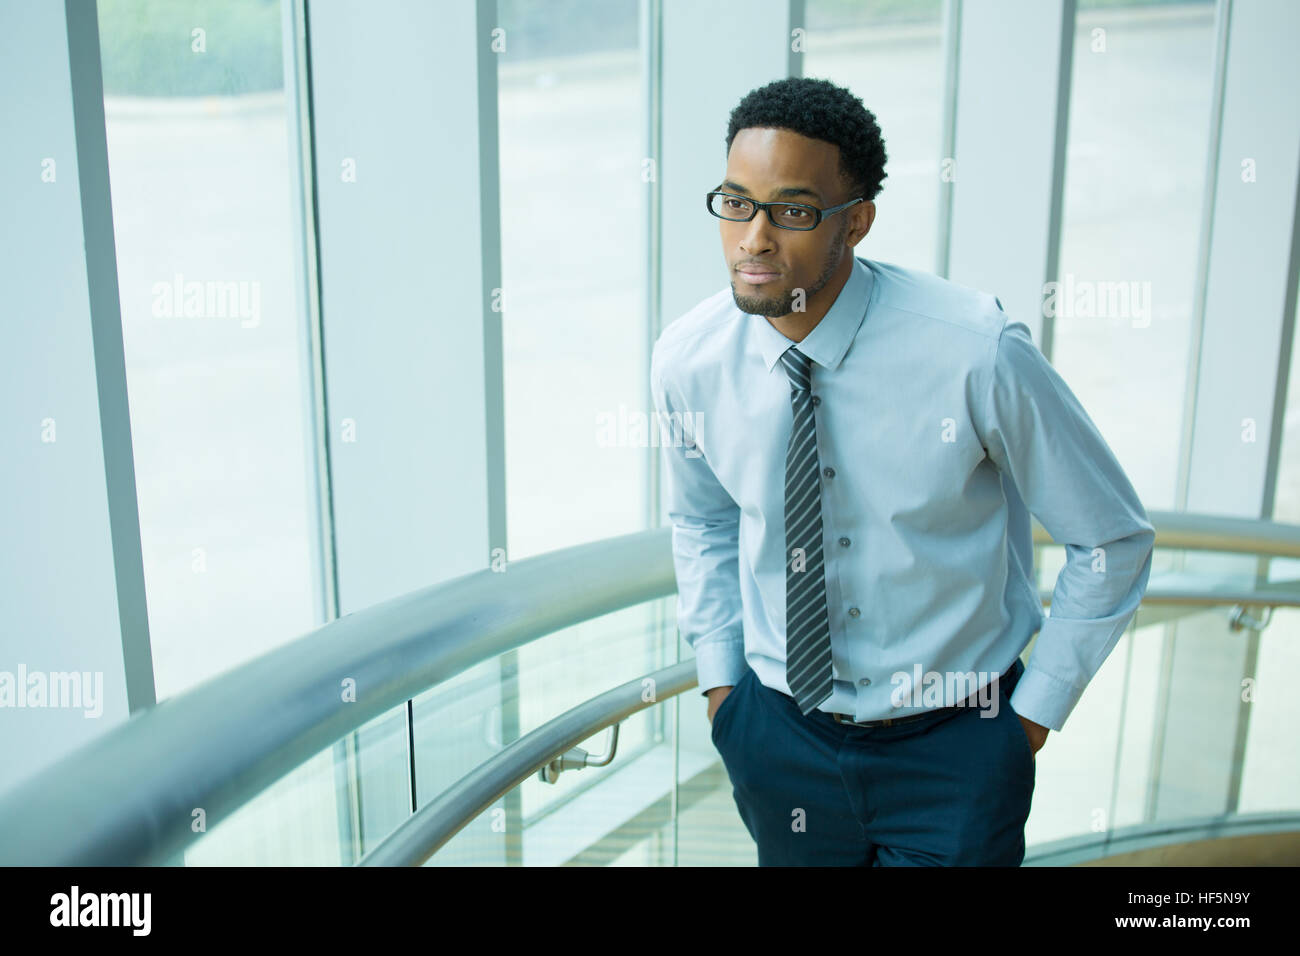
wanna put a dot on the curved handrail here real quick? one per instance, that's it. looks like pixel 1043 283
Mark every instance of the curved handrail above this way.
pixel 432 826
pixel 1179 530
pixel 424 832
pixel 133 791
pixel 129 796
pixel 1138 837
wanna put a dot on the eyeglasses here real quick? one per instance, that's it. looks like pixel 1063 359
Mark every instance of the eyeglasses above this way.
pixel 783 215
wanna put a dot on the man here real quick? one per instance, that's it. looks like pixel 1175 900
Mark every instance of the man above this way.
pixel 850 513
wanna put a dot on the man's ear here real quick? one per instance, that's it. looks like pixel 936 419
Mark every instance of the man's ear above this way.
pixel 861 221
pixel 869 213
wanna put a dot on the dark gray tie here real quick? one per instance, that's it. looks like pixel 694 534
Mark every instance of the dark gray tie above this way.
pixel 807 627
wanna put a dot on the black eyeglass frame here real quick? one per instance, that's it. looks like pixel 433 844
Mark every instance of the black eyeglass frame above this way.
pixel 820 214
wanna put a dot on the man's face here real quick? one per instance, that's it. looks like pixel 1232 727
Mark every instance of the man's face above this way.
pixel 768 264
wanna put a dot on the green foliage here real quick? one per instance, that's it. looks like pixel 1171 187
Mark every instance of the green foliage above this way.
pixel 147 47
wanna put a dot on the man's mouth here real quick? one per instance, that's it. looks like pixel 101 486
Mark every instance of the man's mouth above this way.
pixel 757 275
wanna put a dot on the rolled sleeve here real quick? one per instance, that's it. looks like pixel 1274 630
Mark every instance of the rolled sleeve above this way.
pixel 1035 430
pixel 706 543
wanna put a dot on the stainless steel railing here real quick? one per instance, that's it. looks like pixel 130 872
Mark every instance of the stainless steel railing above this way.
pixel 430 827
pixel 433 825
pixel 128 796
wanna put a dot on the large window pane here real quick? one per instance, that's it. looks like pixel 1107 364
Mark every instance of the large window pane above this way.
pixel 1134 179
pixel 199 133
pixel 571 116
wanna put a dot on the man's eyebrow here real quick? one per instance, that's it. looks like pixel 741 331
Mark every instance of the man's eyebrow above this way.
pixel 786 192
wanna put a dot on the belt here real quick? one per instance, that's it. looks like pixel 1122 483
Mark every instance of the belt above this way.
pixel 847 719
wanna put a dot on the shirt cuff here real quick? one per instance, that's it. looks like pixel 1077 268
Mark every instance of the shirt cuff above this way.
pixel 720 663
pixel 1044 699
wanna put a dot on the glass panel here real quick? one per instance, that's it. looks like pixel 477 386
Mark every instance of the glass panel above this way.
pixel 462 723
pixel 1082 784
pixel 458 726
pixel 890 54
pixel 564 669
pixel 1271 773
pixel 317 815
pixel 199 129
pixel 621 815
pixel 574 328
pixel 1142 652
pixel 1135 171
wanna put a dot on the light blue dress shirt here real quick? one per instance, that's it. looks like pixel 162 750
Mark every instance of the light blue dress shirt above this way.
pixel 940 427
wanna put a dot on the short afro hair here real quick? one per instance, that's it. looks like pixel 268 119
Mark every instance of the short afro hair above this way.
pixel 820 110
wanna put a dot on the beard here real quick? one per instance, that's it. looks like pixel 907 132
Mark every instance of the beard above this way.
pixel 776 305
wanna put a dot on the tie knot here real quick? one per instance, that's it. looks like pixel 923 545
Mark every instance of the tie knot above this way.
pixel 799 369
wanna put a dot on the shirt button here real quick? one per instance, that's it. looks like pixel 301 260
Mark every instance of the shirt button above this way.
pixel 854 612
pixel 844 542
pixel 865 681
pixel 829 472
pixel 817 399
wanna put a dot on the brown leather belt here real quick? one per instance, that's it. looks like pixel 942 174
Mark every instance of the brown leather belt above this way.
pixel 848 721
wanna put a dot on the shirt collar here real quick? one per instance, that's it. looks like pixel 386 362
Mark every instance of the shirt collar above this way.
pixel 831 337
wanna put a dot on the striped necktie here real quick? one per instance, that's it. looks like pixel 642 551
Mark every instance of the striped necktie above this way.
pixel 807 626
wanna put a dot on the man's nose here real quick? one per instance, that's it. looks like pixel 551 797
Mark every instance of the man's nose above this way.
pixel 758 236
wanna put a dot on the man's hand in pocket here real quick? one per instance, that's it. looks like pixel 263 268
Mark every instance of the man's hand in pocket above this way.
pixel 1036 733
pixel 716 696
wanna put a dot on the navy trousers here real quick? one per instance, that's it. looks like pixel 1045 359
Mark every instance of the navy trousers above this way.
pixel 949 790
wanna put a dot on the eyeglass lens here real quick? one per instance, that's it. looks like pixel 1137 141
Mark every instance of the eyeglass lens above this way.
pixel 786 214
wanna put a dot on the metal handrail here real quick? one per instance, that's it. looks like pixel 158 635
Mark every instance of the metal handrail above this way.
pixel 429 828
pixel 1181 531
pixel 1137 837
pixel 130 795
pixel 432 826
